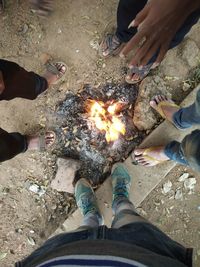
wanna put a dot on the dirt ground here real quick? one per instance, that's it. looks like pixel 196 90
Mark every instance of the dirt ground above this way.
pixel 178 217
pixel 71 34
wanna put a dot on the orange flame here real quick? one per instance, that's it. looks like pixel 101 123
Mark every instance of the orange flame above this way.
pixel 106 119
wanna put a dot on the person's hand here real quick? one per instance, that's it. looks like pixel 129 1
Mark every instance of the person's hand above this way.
pixel 157 24
pixel 42 7
pixel 2 86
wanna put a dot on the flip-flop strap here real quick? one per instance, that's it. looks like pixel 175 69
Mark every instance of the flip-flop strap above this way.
pixel 145 154
pixel 51 67
pixel 141 72
pixel 111 43
pixel 164 104
pixel 42 143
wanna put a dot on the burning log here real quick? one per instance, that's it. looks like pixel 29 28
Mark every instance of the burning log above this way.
pixel 95 126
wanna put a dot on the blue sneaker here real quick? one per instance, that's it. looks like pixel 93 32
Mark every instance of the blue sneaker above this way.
pixel 86 200
pixel 121 182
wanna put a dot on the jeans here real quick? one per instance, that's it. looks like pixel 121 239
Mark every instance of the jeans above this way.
pixel 128 10
pixel 18 83
pixel 188 151
pixel 127 226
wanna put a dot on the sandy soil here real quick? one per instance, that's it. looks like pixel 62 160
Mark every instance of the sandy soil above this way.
pixel 179 218
pixel 70 35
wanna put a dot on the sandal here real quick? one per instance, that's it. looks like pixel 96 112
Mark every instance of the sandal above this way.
pixel 2 6
pixel 145 155
pixel 142 72
pixel 165 103
pixel 43 145
pixel 53 68
pixel 110 46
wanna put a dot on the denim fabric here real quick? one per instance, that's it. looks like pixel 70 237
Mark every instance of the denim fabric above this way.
pixel 187 152
pixel 189 116
pixel 141 234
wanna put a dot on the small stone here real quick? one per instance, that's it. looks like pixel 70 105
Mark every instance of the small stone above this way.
pixel 31 241
pixel 3 255
pixel 178 194
pixel 59 31
pixel 37 189
pixel 94 44
pixel 183 177
pixel 190 183
pixel 106 204
pixel 167 187
pixel 25 29
pixel 53 207
pixel 186 86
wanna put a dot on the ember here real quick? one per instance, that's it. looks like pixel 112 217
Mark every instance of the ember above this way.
pixel 95 126
pixel 106 119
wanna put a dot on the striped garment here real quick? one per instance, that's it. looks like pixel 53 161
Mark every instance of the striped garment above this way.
pixel 91 261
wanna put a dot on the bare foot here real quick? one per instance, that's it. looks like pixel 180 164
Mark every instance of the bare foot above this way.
pixel 149 156
pixel 168 110
pixel 110 46
pixel 34 142
pixel 55 72
pixel 133 78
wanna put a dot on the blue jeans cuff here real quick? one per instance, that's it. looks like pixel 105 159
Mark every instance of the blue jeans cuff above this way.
pixel 174 152
pixel 178 121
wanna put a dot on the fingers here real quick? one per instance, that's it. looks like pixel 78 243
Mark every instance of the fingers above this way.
pixel 150 53
pixel 132 43
pixel 136 60
pixel 163 50
pixel 141 16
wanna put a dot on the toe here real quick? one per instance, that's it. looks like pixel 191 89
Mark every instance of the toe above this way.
pixel 156 98
pixel 153 103
pixel 135 77
pixel 138 151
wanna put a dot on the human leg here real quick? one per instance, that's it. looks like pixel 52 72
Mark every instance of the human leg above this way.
pixel 12 144
pixel 126 12
pixel 186 117
pixel 123 209
pixel 182 118
pixel 22 83
pixel 186 152
pixel 86 202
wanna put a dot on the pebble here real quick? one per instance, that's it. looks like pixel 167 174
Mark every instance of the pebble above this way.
pixel 186 86
pixel 190 183
pixel 31 241
pixel 167 187
pixel 178 194
pixel 183 177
